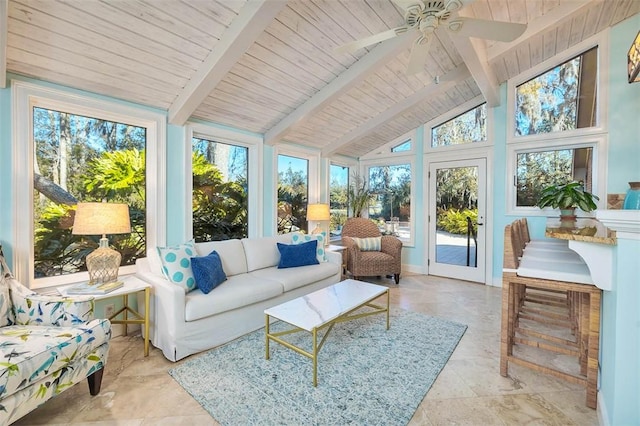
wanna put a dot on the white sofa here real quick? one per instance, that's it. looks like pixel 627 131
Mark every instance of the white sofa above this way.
pixel 184 324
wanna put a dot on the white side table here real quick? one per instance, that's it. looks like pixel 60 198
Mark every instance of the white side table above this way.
pixel 340 249
pixel 132 285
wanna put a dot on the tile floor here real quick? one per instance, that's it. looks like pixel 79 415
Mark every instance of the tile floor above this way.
pixel 138 391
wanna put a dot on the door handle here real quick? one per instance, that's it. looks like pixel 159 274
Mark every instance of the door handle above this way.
pixel 479 224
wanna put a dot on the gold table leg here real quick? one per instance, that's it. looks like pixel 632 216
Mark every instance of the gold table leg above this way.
pixel 266 327
pixel 315 357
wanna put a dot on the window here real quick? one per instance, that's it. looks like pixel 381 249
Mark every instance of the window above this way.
pixel 338 198
pixel 538 169
pixel 563 98
pixel 403 147
pixel 293 193
pixel 220 196
pixel 392 206
pixel 79 158
pixel 558 130
pixel 71 148
pixel 468 127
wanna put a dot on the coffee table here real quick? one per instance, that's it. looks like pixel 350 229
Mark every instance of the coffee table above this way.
pixel 324 308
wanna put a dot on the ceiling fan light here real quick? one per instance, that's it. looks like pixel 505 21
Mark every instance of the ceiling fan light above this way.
pixel 455 26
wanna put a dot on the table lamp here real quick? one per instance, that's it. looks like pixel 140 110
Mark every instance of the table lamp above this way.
pixel 101 219
pixel 319 213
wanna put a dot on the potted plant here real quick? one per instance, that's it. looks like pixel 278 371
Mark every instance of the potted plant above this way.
pixel 567 198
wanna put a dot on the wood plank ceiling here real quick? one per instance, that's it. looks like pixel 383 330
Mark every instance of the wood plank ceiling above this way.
pixel 269 66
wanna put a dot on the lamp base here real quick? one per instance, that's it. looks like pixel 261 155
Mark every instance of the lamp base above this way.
pixel 103 264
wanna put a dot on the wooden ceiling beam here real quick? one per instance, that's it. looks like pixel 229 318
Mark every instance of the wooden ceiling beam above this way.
pixel 254 17
pixel 447 81
pixel 351 77
pixel 474 54
pixel 4 18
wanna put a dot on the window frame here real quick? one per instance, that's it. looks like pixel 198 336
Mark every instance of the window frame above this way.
pixel 453 114
pixel 595 137
pixel 599 163
pixel 216 134
pixel 26 96
pixel 397 160
pixel 314 194
pixel 385 150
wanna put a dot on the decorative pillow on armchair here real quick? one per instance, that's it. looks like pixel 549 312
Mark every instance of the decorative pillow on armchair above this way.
pixel 298 238
pixel 208 271
pixel 293 255
pixel 176 264
pixel 368 244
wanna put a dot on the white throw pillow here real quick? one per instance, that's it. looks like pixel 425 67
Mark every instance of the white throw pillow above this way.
pixel 298 238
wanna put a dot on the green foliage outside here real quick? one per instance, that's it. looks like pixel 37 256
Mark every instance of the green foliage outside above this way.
pixel 117 176
pixel 220 209
pixel 454 221
pixel 292 201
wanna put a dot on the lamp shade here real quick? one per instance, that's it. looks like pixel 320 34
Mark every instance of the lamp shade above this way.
pixel 101 219
pixel 318 212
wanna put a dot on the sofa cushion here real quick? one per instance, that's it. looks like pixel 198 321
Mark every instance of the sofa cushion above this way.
pixel 368 244
pixel 298 238
pixel 33 352
pixel 176 264
pixel 295 255
pixel 208 272
pixel 293 278
pixel 263 252
pixel 236 292
pixel 231 254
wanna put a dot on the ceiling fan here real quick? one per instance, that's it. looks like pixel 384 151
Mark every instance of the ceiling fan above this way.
pixel 425 17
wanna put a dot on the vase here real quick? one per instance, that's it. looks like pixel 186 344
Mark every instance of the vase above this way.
pixel 632 199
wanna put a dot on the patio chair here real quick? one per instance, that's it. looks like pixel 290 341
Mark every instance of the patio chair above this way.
pixel 362 262
pixel 47 344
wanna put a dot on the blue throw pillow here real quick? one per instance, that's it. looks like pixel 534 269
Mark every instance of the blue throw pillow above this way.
pixel 208 272
pixel 292 255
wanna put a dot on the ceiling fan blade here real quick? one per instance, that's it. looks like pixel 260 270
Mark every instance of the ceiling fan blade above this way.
pixel 481 28
pixel 419 54
pixel 367 41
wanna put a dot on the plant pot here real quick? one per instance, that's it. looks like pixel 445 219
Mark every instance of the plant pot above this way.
pixel 568 214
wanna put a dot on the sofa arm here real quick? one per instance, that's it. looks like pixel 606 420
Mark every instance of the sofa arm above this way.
pixel 334 257
pixel 167 306
pixel 31 308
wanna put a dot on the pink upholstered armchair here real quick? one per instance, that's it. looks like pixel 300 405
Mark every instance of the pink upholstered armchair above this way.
pixel 386 261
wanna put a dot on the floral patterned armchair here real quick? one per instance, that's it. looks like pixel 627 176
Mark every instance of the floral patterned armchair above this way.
pixel 47 344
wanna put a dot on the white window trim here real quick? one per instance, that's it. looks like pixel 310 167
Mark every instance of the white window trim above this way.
pixel 396 160
pixel 599 163
pixel 600 40
pixel 596 137
pixel 255 146
pixel 461 109
pixel 25 96
pixel 385 150
pixel 313 157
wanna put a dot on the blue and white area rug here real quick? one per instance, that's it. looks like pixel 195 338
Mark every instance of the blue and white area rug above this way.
pixel 367 375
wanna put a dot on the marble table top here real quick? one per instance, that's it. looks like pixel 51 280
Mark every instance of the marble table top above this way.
pixel 588 230
pixel 322 306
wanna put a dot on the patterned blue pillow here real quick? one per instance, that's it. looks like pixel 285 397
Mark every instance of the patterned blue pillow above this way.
pixel 208 271
pixel 293 255
pixel 298 238
pixel 176 264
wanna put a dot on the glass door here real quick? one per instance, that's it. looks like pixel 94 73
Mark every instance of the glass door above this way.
pixel 456 219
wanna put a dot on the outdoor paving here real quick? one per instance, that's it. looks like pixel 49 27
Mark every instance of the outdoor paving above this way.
pixel 452 249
